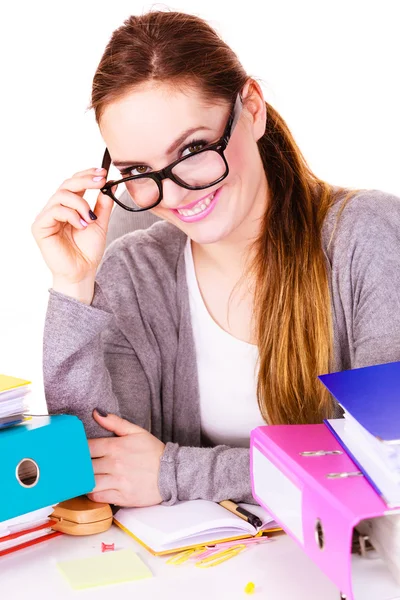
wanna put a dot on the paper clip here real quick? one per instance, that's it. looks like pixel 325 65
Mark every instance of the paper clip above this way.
pixel 179 559
pixel 227 545
pixel 219 557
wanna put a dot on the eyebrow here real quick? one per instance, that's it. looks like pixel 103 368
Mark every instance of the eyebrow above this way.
pixel 171 149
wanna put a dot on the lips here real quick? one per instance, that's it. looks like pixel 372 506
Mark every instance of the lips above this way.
pixel 198 210
pixel 197 207
pixel 191 204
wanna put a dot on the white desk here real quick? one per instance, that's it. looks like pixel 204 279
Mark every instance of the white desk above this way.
pixel 279 569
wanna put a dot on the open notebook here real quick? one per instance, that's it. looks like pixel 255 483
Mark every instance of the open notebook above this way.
pixel 167 529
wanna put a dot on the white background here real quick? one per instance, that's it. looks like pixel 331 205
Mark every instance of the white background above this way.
pixel 330 68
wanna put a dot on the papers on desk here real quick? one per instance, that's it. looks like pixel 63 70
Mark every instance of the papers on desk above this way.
pixel 26 530
pixel 370 430
pixel 166 529
pixel 13 395
pixel 371 463
pixel 384 534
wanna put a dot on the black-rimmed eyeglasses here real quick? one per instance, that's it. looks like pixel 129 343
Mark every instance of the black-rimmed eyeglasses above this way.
pixel 199 170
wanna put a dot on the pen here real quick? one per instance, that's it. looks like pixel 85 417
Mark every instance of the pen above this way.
pixel 241 512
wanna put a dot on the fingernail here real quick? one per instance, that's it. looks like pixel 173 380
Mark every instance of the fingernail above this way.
pixel 99 170
pixel 92 215
pixel 98 178
pixel 84 223
pixel 102 413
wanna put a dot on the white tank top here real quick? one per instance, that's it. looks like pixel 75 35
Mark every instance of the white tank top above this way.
pixel 227 373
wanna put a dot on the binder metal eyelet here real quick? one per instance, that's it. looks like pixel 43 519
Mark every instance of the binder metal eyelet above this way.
pixel 319 534
pixel 320 452
pixel 27 473
pixel 344 475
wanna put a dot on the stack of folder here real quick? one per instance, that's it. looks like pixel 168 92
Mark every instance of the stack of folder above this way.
pixel 13 396
pixel 333 484
pixel 370 434
pixel 27 530
pixel 45 461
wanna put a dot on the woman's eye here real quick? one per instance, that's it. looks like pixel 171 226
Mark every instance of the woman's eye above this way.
pixel 139 170
pixel 195 147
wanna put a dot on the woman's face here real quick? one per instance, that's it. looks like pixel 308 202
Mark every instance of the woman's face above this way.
pixel 140 129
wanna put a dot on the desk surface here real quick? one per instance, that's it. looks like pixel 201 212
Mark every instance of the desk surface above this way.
pixel 280 571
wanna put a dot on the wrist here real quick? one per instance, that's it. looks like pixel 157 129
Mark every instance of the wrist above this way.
pixel 82 291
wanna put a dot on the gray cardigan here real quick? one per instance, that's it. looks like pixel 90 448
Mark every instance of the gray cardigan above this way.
pixel 131 352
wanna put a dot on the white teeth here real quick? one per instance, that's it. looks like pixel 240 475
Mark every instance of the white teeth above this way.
pixel 198 208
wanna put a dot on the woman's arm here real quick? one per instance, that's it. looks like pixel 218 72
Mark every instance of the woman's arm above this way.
pixel 367 272
pixel 88 363
pixel 219 473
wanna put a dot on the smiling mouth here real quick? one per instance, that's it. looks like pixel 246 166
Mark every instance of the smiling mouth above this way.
pixel 198 208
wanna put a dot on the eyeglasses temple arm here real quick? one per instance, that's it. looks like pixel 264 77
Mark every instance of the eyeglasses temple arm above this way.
pixel 106 160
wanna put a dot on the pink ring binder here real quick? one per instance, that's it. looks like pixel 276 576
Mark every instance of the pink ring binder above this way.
pixel 319 512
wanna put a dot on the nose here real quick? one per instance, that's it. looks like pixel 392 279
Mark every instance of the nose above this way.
pixel 173 194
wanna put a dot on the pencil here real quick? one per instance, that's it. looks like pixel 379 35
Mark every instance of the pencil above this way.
pixel 241 512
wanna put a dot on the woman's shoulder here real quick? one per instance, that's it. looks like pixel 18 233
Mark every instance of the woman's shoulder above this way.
pixel 158 246
pixel 360 215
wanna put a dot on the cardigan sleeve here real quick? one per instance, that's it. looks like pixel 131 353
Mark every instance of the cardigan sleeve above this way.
pixel 368 272
pixel 219 473
pixel 88 363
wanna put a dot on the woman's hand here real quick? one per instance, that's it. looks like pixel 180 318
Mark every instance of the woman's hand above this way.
pixel 71 240
pixel 126 467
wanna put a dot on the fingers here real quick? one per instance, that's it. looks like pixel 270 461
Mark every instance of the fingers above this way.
pixel 71 192
pixel 67 205
pixel 50 220
pixel 105 482
pixel 103 465
pixel 116 424
pixel 95 172
pixel 102 209
pixel 100 447
pixel 80 183
pixel 71 200
pixel 107 497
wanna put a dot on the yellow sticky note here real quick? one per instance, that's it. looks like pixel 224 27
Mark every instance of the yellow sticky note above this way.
pixel 111 567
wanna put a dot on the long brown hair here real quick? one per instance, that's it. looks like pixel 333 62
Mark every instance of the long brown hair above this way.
pixel 292 313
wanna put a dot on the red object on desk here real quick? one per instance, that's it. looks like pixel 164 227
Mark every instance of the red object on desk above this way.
pixel 31 542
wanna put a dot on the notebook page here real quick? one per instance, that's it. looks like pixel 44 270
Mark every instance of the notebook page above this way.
pixel 203 539
pixel 159 525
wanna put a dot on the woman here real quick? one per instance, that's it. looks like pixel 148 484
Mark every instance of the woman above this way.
pixel 219 318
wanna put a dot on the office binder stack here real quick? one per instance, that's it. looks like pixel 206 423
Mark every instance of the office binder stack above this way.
pixel 330 484
pixel 370 434
pixel 45 461
pixel 13 400
pixel 305 480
